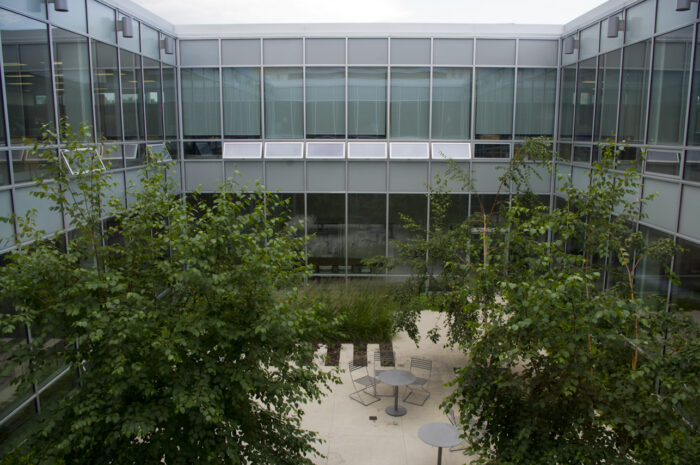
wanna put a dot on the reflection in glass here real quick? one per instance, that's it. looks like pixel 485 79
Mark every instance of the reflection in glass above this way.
pixel 366 229
pixel 367 103
pixel 132 101
pixel 494 103
pixel 410 103
pixel 687 266
pixel 566 103
pixel 325 103
pixel 635 83
pixel 241 87
pixel 202 149
pixel 452 95
pixel 200 103
pixel 669 90
pixel 72 74
pixel 692 165
pixel 170 102
pixel 663 162
pixel 534 111
pixel 608 92
pixel 585 98
pixel 284 111
pixel 154 102
pixel 25 56
pixel 492 151
pixel 326 221
pixel 106 91
pixel 415 206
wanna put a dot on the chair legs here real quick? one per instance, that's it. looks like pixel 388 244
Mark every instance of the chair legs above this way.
pixel 412 397
pixel 357 396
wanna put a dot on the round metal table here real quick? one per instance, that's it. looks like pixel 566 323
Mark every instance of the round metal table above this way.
pixel 439 435
pixel 396 378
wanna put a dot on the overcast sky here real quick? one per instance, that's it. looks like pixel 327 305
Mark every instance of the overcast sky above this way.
pixel 334 11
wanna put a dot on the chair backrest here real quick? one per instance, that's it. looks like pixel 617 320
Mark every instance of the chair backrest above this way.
pixel 452 416
pixel 418 364
pixel 384 357
pixel 353 368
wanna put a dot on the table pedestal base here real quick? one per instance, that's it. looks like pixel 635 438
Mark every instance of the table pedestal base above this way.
pixel 396 412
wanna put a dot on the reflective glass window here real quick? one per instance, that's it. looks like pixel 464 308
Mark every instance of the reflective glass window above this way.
pixel 5 179
pixel 589 42
pixel 608 93
pixel 3 136
pixel 635 84
pixel 494 103
pixel 585 98
pixel 25 55
pixel 101 21
pixel 130 43
pixel 325 103
pixel 536 96
pixel 366 229
pixel 284 111
pixel 153 99
pixel 566 102
pixel 31 7
pixel 491 151
pixel 170 102
pixel 452 96
pixel 132 100
pixel 415 206
pixel 367 89
pixel 200 103
pixel 241 87
pixel 106 91
pixel 668 18
pixel 150 42
pixel 410 103
pixel 686 294
pixel 72 74
pixel 663 162
pixel 326 221
pixel 692 166
pixel 610 43
pixel 75 18
pixel 639 21
pixel 669 87
pixel 694 124
pixel 650 278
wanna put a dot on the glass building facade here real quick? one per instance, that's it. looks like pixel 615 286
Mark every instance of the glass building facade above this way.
pixel 352 125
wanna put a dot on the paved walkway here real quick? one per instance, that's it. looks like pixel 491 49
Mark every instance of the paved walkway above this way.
pixel 353 439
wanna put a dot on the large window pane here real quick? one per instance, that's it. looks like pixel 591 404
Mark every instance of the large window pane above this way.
pixel 566 103
pixel 170 102
pixel 25 55
pixel 608 93
pixel 669 86
pixel 326 221
pixel 106 91
pixel 686 294
pixel 241 103
pixel 534 111
pixel 325 103
pixel 410 103
pixel 650 276
pixel 585 98
pixel 452 96
pixel 200 103
pixel 635 83
pixel 72 72
pixel 367 103
pixel 132 100
pixel 366 229
pixel 154 102
pixel 494 103
pixel 284 111
pixel 415 206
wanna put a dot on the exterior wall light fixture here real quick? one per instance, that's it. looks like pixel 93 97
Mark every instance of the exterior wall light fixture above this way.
pixel 60 5
pixel 615 25
pixel 168 45
pixel 684 5
pixel 570 44
pixel 126 25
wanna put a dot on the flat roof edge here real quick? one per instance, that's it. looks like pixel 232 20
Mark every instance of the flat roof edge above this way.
pixel 197 31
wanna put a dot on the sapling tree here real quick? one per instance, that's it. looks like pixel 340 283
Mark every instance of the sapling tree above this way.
pixel 568 363
pixel 182 317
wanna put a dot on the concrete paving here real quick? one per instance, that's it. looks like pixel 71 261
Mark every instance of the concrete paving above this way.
pixel 351 438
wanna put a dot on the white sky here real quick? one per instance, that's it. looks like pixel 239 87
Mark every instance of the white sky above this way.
pixel 348 11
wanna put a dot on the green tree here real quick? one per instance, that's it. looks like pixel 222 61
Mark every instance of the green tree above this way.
pixel 182 317
pixel 562 369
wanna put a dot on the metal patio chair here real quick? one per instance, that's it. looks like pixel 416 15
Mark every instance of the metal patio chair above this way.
pixel 361 382
pixel 471 430
pixel 422 368
pixel 384 361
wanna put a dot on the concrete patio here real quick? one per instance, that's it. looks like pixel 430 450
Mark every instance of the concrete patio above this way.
pixel 353 439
